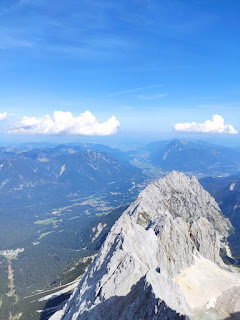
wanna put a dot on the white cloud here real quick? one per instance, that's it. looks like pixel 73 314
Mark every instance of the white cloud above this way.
pixel 64 123
pixel 3 115
pixel 215 125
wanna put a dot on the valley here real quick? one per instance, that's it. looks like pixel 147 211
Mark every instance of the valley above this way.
pixel 48 226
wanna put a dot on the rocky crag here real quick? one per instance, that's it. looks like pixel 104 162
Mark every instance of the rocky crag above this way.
pixel 161 260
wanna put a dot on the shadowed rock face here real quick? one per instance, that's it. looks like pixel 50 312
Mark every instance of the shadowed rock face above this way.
pixel 172 225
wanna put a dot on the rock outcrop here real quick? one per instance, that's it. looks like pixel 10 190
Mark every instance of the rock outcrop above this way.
pixel 156 258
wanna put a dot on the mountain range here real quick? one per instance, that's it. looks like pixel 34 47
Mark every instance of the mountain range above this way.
pixel 198 157
pixel 42 174
pixel 59 203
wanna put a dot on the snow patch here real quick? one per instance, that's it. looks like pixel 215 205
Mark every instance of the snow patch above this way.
pixel 232 186
pixel 63 168
pixel 165 155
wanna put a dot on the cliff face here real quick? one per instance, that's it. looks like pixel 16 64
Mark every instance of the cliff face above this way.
pixel 173 227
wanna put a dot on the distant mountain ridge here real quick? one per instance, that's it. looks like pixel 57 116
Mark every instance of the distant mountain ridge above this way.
pixel 191 156
pixel 54 150
pixel 42 173
pixel 36 174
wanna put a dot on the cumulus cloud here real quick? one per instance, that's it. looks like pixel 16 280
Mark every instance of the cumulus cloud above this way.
pixel 215 125
pixel 64 123
pixel 3 115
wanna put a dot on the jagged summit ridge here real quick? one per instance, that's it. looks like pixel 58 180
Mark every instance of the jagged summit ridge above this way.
pixel 180 196
pixel 173 221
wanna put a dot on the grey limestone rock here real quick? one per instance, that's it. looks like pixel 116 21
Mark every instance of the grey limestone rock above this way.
pixel 172 221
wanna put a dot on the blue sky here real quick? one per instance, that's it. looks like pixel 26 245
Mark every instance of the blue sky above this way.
pixel 151 64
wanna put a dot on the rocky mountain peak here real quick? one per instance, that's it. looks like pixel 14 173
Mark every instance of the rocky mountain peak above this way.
pixel 173 225
pixel 174 196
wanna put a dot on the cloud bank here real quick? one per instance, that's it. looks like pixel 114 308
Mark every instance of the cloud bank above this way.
pixel 215 125
pixel 64 123
pixel 3 115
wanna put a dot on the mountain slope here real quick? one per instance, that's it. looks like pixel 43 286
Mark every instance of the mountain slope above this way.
pixel 45 174
pixel 191 156
pixel 174 225
pixel 58 205
pixel 226 191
